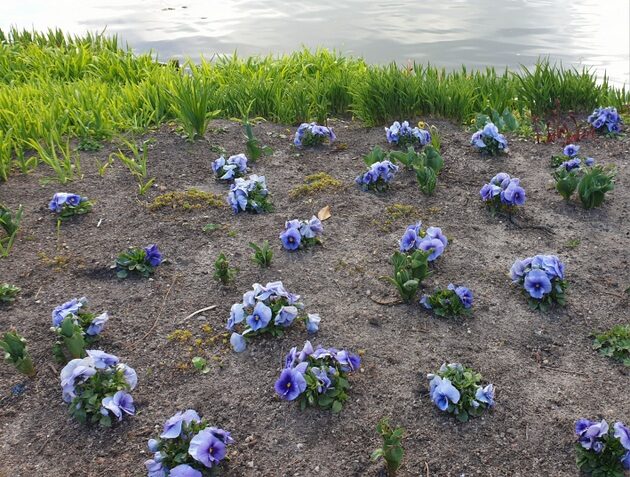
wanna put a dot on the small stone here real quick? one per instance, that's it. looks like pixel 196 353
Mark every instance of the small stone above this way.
pixel 300 446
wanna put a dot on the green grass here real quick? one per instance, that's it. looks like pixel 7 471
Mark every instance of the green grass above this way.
pixel 91 86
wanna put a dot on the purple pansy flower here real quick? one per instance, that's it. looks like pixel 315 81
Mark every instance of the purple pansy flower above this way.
pixel 173 426
pixel 206 448
pixel 290 384
pixel 153 255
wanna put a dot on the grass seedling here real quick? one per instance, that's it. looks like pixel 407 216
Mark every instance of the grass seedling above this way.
pixel 58 156
pixel 262 253
pixel 392 451
pixel 137 164
pixel 10 224
pixel 223 273
pixel 16 352
pixel 8 293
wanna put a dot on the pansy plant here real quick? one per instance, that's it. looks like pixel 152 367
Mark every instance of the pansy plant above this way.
pixel 301 233
pixel 317 377
pixel 141 261
pixel 458 390
pixel 454 301
pixel 97 388
pixel 591 181
pixel 188 447
pixel 503 194
pixel 68 205
pixel 312 134
pixel 268 309
pixel 75 328
pixel 418 247
pixel 404 135
pixel 16 352
pixel 489 140
pixel 601 450
pixel 542 279
pixel 249 195
pixel 380 171
pixel 230 169
pixel 8 293
pixel 606 121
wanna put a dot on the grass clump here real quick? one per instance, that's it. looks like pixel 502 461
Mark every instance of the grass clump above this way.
pixel 187 200
pixel 615 343
pixel 314 184
pixel 395 213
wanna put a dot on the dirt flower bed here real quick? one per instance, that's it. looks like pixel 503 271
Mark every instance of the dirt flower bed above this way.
pixel 545 372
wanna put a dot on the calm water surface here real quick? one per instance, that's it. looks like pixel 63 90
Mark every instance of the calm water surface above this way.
pixel 448 33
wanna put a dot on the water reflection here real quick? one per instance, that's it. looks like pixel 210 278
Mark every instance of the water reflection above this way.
pixel 473 32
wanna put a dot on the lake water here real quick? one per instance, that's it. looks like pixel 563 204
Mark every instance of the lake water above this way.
pixel 449 33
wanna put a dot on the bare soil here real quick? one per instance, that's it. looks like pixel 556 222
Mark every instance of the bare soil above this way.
pixel 542 365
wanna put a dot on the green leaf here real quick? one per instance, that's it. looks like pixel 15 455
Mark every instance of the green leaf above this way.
pixel 337 406
pixel 377 454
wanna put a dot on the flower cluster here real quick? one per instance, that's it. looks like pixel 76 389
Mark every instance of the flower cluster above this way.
pixel 606 120
pixel 489 140
pixel 457 390
pixel 68 205
pixel 454 301
pixel 378 176
pixel 431 240
pixel 602 450
pixel 97 388
pixel 75 328
pixel 404 135
pixel 142 261
pixel 318 377
pixel 235 166
pixel 267 309
pixel 591 181
pixel 542 278
pixel 187 447
pixel 503 193
pixel 301 233
pixel 250 195
pixel 312 134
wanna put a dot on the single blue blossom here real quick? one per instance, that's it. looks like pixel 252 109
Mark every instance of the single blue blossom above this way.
pixel 206 448
pixel 442 392
pixel 260 317
pixel 238 342
pixel 121 402
pixel 184 470
pixel 97 325
pixel 153 255
pixel 312 322
pixel 537 283
pixel 291 239
pixel 571 150
pixel 485 395
pixel 290 384
pixel 173 426
pixel 101 359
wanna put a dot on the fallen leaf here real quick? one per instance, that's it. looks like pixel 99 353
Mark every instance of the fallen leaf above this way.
pixel 324 213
